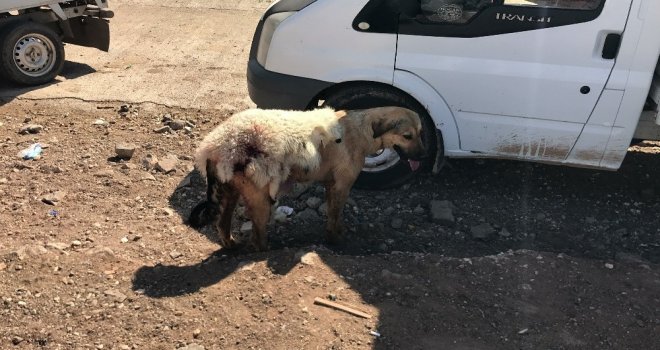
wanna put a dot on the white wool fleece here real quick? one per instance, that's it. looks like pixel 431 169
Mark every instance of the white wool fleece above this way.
pixel 265 144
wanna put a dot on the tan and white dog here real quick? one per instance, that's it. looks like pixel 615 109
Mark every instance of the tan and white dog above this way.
pixel 254 152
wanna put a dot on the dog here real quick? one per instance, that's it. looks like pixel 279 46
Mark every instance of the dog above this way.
pixel 253 153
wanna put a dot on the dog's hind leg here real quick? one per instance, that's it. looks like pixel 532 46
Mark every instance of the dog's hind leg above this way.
pixel 207 211
pixel 259 206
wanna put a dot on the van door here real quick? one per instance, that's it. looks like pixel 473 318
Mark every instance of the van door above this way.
pixel 521 77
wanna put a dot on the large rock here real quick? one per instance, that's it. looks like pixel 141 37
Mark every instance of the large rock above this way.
pixel 167 164
pixel 442 212
pixel 125 150
pixel 30 129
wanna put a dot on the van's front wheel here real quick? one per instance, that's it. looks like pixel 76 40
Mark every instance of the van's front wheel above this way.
pixel 385 169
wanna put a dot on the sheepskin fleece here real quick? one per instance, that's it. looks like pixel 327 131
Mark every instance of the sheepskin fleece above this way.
pixel 265 144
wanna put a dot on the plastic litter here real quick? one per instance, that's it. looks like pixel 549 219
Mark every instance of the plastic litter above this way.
pixel 284 210
pixel 375 334
pixel 54 213
pixel 32 152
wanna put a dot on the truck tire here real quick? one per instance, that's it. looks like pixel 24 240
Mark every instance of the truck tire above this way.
pixel 385 169
pixel 30 53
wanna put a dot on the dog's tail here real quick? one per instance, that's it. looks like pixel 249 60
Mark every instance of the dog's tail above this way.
pixel 204 212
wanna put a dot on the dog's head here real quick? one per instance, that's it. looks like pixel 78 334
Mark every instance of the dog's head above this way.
pixel 399 128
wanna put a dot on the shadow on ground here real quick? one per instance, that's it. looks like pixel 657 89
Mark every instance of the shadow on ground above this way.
pixel 589 215
pixel 71 70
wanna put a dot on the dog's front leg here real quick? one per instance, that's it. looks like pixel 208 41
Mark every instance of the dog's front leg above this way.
pixel 336 196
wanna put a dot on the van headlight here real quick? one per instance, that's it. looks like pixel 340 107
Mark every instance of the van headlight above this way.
pixel 270 25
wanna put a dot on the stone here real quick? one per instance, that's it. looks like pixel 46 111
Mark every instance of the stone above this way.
pixel 192 347
pixel 54 198
pixel 246 227
pixel 30 129
pixel 124 240
pixel 177 124
pixel 29 251
pixel 418 210
pixel 397 223
pixel 16 340
pixel 149 161
pixel 314 202
pixel 505 233
pixel 163 129
pixel 147 177
pixel 57 245
pixel 168 164
pixel 482 231
pixel 104 253
pixel 76 243
pixel 104 173
pixel 323 209
pixel 100 122
pixel 442 212
pixel 125 150
pixel 308 215
pixel 196 333
pixel 609 266
pixel 117 295
pixel 175 255
pixel 307 258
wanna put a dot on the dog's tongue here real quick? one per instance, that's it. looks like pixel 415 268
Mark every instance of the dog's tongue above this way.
pixel 414 165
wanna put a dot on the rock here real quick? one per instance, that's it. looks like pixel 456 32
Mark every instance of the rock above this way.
pixel 57 245
pixel 100 122
pixel 124 240
pixel 76 243
pixel 308 215
pixel 442 212
pixel 3 266
pixel 280 217
pixel 629 258
pixel 397 223
pixel 388 211
pixel 505 233
pixel 314 202
pixel 163 129
pixel 30 129
pixel 104 253
pixel 149 161
pixel 105 173
pixel 54 198
pixel 4 181
pixel 29 251
pixel 196 333
pixel 124 108
pixel 16 340
pixel 609 266
pixel 125 150
pixel 175 255
pixel 307 258
pixel 482 231
pixel 246 228
pixel 177 124
pixel 192 347
pixel 167 211
pixel 50 169
pixel 299 189
pixel 117 295
pixel 147 177
pixel 418 210
pixel 186 182
pixel 168 164
pixel 323 209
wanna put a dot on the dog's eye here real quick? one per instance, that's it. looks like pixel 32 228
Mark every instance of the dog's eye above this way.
pixel 407 137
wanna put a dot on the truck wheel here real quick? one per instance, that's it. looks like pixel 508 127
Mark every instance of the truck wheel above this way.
pixel 30 53
pixel 385 169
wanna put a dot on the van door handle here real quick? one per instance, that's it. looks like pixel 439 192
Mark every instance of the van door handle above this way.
pixel 611 47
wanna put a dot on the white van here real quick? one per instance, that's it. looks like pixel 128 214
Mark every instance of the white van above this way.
pixel 554 81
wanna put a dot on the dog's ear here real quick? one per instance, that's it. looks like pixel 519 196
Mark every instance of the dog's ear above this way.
pixel 383 125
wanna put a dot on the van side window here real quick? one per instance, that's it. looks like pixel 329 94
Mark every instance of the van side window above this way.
pixel 461 11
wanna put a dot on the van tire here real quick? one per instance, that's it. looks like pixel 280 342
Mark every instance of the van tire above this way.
pixel 30 53
pixel 368 96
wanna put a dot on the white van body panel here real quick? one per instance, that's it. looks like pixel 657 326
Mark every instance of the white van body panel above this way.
pixel 320 43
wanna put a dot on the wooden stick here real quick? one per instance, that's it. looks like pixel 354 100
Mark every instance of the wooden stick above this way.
pixel 341 307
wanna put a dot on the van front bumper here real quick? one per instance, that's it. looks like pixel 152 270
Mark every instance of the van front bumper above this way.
pixel 270 90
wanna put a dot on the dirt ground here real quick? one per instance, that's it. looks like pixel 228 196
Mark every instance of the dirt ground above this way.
pixel 538 256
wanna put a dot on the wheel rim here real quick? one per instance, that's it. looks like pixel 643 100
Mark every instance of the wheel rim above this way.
pixel 34 55
pixel 381 160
